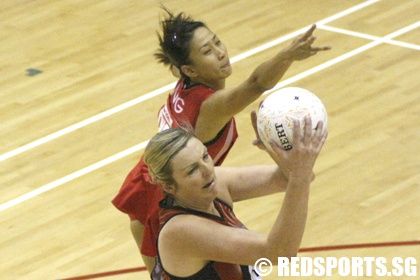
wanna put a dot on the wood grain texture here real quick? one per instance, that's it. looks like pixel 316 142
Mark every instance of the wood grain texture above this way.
pixel 96 55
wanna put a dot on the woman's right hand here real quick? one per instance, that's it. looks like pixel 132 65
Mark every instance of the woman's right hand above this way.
pixel 301 48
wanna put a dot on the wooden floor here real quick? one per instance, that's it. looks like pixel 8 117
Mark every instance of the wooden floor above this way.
pixel 80 89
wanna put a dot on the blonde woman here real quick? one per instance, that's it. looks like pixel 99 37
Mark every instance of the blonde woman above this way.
pixel 200 237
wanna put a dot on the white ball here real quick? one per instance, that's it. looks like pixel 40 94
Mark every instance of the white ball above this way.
pixel 277 112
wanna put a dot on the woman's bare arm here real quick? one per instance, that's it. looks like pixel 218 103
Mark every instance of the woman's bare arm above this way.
pixel 218 109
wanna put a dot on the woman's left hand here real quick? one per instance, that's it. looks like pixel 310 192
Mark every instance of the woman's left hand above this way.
pixel 257 142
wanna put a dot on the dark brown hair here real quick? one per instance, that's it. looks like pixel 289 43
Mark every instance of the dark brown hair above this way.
pixel 175 41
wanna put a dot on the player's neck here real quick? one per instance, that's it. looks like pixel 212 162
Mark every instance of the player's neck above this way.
pixel 213 84
pixel 201 206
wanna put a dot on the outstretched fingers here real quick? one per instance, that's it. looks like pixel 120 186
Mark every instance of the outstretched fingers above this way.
pixel 320 49
pixel 315 140
pixel 307 131
pixel 309 32
pixel 308 39
pixel 320 136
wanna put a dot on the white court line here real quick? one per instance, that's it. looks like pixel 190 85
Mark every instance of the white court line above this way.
pixel 169 87
pixel 142 145
pixel 300 31
pixel 376 41
pixel 86 122
pixel 402 30
pixel 72 176
pixel 373 38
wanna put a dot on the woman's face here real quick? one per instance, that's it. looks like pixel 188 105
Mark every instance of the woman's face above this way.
pixel 209 57
pixel 193 171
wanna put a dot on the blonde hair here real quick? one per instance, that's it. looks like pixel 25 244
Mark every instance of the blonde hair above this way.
pixel 162 148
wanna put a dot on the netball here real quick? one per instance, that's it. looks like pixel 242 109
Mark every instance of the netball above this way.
pixel 277 112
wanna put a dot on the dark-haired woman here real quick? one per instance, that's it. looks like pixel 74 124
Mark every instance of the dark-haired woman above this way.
pixel 201 100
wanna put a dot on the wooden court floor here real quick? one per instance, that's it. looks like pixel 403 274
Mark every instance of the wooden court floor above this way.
pixel 80 89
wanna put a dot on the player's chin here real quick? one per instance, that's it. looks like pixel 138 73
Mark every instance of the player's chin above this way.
pixel 226 72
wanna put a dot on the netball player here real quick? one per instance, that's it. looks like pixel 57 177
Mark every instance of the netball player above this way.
pixel 201 100
pixel 200 237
